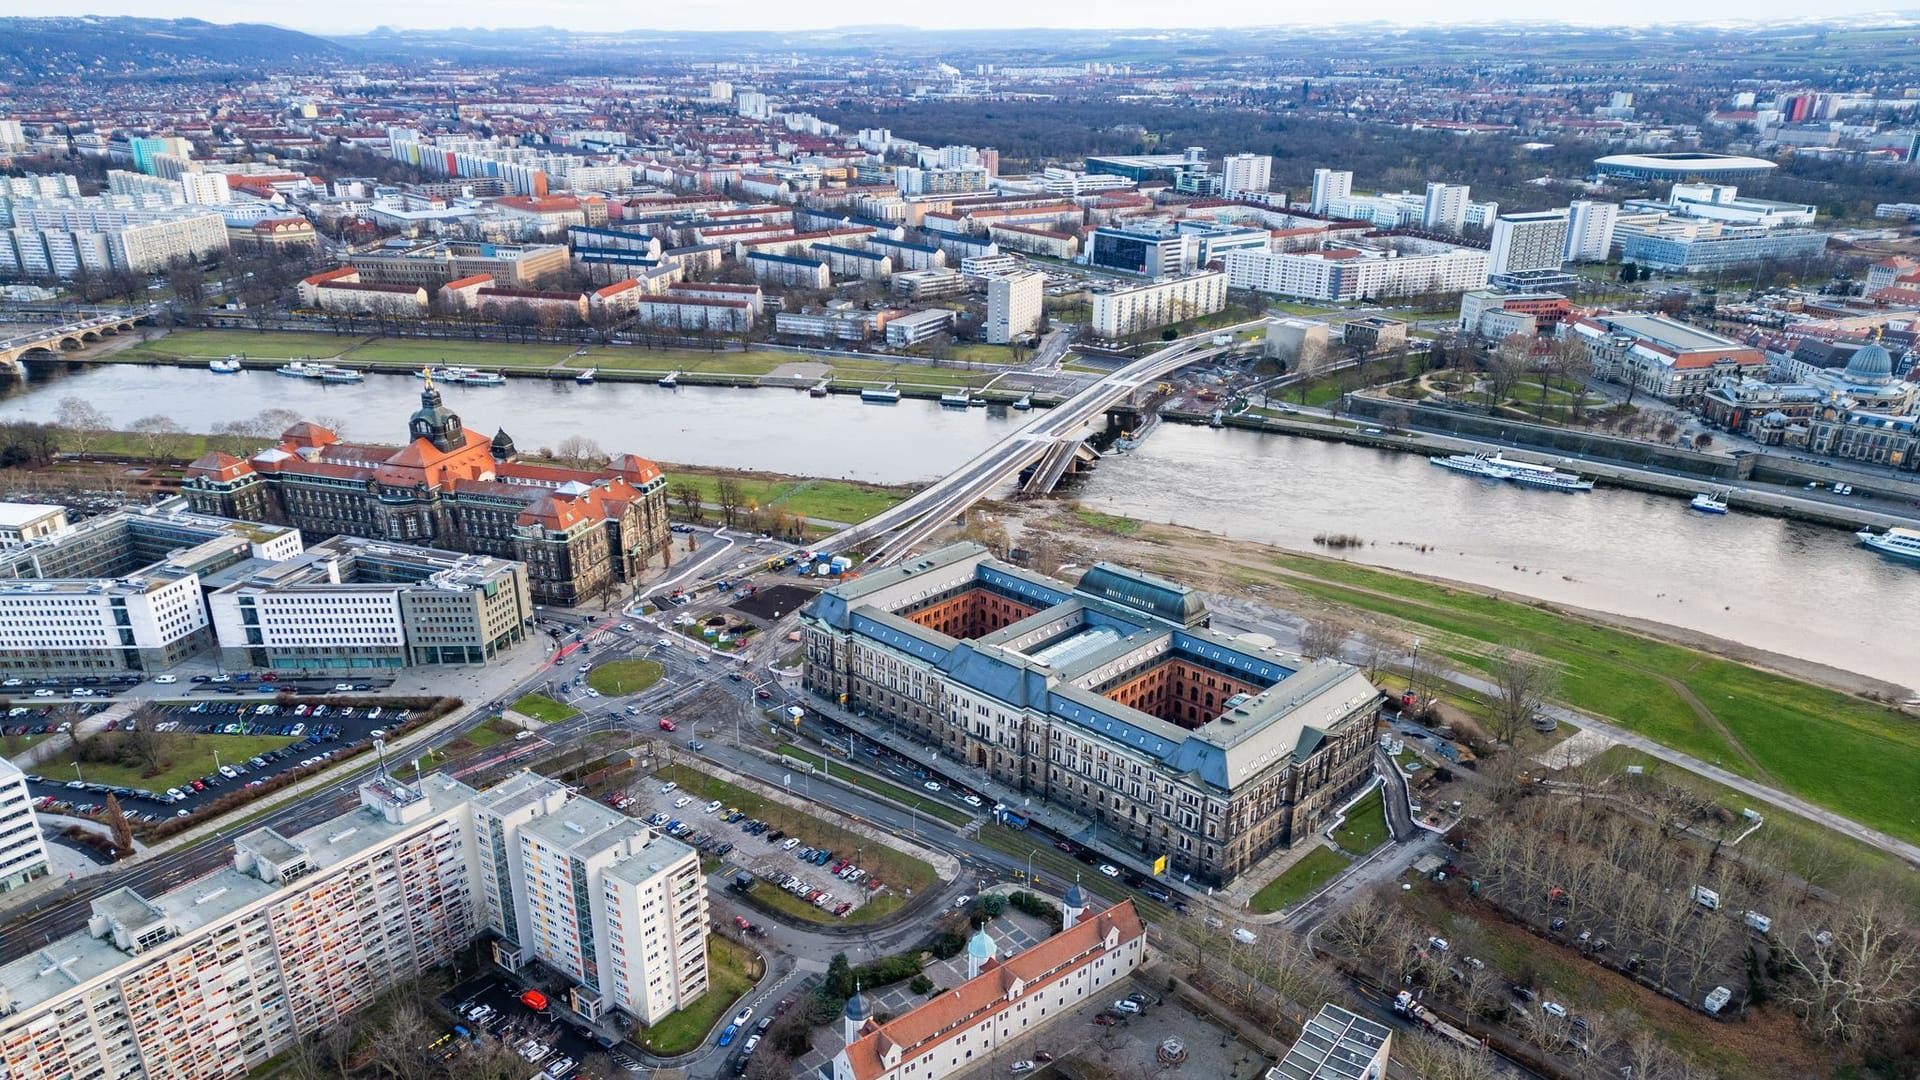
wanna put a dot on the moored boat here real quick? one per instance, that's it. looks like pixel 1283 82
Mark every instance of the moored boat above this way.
pixel 1896 543
pixel 587 377
pixel 329 373
pixel 299 369
pixel 1024 403
pixel 880 395
pixel 954 401
pixel 819 389
pixel 1709 502
pixel 229 366
pixel 670 380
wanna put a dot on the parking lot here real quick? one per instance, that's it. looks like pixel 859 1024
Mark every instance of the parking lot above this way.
pixel 832 881
pixel 314 732
pixel 490 1008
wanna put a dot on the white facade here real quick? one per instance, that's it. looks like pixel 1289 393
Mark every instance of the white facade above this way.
pixel 1354 273
pixel 103 617
pixel 1245 174
pixel 58 237
pixel 22 523
pixel 11 135
pixel 23 852
pixel 205 188
pixel 1328 185
pixel 1521 242
pixel 1125 312
pixel 1446 207
pixel 1015 305
pixel 1590 230
pixel 344 616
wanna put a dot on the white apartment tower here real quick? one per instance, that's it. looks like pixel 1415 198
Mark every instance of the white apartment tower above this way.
pixel 1590 230
pixel 620 909
pixel 1329 184
pixel 205 188
pixel 216 976
pixel 1521 242
pixel 1015 303
pixel 1446 208
pixel 23 852
pixel 1245 174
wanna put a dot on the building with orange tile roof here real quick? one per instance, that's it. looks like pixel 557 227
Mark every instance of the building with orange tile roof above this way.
pixel 578 530
pixel 1009 999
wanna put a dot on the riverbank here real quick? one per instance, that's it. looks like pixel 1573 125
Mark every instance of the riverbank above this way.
pixel 1824 735
pixel 749 367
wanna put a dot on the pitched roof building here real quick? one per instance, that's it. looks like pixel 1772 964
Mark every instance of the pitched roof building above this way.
pixel 1009 998
pixel 578 530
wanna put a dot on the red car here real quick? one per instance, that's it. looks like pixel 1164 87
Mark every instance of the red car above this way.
pixel 667 725
pixel 1103 1020
pixel 763 694
pixel 741 922
pixel 1063 846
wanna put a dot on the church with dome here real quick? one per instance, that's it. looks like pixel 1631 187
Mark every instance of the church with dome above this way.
pixel 1866 413
pixel 579 531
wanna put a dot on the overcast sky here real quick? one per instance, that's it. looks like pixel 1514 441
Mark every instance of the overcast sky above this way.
pixel 351 16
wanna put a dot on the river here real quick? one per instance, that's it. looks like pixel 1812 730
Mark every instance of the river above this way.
pixel 778 430
pixel 1782 586
pixel 1786 587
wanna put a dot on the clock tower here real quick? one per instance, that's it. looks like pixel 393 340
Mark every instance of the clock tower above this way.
pixel 435 422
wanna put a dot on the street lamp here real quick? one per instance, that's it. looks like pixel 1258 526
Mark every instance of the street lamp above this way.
pixel 76 773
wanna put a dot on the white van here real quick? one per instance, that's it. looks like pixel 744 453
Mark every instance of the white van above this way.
pixel 1706 898
pixel 1758 921
pixel 1243 935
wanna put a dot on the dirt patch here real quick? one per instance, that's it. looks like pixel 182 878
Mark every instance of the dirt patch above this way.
pixel 772 602
pixel 801 370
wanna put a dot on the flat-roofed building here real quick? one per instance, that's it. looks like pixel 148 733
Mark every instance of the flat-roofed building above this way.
pixel 1016 306
pixel 23 523
pixel 512 266
pixel 1337 1045
pixel 23 851
pixel 1109 697
pixel 1661 357
pixel 1123 312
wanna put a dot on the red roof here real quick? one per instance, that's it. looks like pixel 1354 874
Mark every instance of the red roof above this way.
pixel 469 282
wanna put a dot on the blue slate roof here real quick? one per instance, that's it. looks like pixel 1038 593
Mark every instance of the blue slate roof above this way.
pixel 1158 597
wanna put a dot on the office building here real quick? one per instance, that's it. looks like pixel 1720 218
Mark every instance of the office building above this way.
pixel 1245 174
pixel 22 523
pixel 1496 313
pixel 1691 248
pixel 1143 167
pixel 1522 242
pixel 579 531
pixel 1337 1045
pixel 23 851
pixel 908 330
pixel 122 591
pixel 1723 202
pixel 511 266
pixel 350 605
pixel 1660 357
pixel 1109 697
pixel 1003 1002
pixel 1374 334
pixel 1590 230
pixel 1329 185
pixel 1445 209
pixel 1149 249
pixel 215 977
pixel 1123 312
pixel 1015 306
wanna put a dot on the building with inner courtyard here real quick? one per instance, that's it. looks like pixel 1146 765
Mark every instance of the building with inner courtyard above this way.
pixel 579 531
pixel 1111 698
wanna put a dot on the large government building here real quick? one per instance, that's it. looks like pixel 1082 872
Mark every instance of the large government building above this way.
pixel 214 977
pixel 1111 698
pixel 578 531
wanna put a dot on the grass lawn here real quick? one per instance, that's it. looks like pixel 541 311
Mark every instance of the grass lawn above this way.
pixel 618 678
pixel 181 447
pixel 729 977
pixel 1106 523
pixel 691 361
pixel 837 500
pixel 183 757
pixel 1365 827
pixel 493 731
pixel 544 709
pixel 1851 756
pixel 881 372
pixel 1297 882
pixel 274 344
pixel 931 807
pixel 982 353
pixel 901 872
pixel 422 352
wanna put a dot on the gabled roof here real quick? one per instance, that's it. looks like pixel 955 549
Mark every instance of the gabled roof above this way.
pixel 215 465
pixel 308 433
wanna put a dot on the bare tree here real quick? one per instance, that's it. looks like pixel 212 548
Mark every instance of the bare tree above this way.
pixel 122 828
pixel 987 532
pixel 687 494
pixel 1521 685
pixel 1433 1058
pixel 726 492
pixel 1322 635
pixel 83 423
pixel 1855 973
pixel 158 434
pixel 580 452
pixel 1506 365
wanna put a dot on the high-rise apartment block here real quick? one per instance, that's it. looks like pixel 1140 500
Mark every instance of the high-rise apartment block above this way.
pixel 1590 230
pixel 1446 207
pixel 1245 174
pixel 212 978
pixel 1014 305
pixel 23 853
pixel 1329 184
pixel 1522 242
pixel 1126 311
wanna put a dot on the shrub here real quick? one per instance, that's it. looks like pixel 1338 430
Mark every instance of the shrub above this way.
pixel 1035 905
pixel 946 946
pixel 920 984
pixel 993 904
